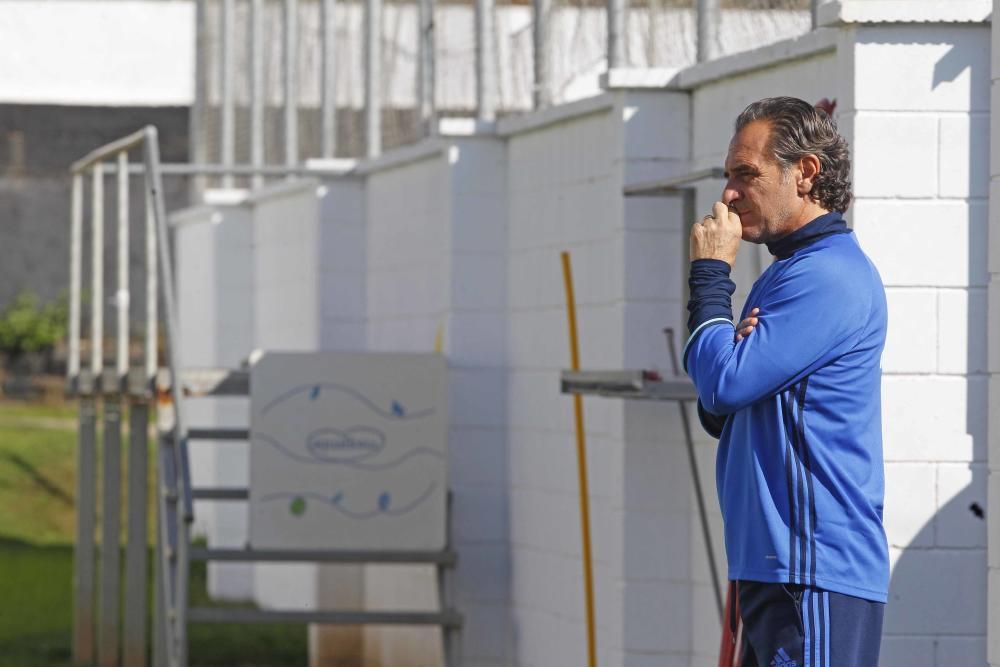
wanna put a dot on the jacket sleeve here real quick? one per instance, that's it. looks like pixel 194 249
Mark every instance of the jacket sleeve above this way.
pixel 811 314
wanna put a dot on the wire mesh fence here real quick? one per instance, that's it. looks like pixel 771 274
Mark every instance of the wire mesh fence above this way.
pixel 656 33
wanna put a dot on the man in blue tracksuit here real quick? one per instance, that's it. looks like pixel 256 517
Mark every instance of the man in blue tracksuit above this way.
pixel 793 393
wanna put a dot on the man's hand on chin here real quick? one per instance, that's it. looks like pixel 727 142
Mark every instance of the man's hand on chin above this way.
pixel 717 236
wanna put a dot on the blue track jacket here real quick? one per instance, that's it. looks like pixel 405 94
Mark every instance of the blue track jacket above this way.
pixel 799 467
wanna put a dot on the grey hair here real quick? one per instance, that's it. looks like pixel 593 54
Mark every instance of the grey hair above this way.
pixel 799 129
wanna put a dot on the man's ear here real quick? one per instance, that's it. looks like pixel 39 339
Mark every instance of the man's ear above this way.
pixel 809 168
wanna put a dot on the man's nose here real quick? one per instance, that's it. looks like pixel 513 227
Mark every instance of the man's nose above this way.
pixel 730 195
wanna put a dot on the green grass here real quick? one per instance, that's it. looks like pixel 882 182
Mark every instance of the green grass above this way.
pixel 37 528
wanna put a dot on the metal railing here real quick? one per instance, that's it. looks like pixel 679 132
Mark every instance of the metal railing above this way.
pixel 100 389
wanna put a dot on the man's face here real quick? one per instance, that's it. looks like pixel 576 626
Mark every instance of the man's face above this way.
pixel 757 189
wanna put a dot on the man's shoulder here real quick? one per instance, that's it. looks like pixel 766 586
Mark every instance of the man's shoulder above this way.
pixel 837 258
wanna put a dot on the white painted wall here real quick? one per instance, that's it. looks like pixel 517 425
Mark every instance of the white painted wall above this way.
pixel 993 327
pixel 436 233
pixel 920 181
pixel 215 308
pixel 462 240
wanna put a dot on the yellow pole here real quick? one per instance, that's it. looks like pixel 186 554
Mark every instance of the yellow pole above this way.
pixel 581 461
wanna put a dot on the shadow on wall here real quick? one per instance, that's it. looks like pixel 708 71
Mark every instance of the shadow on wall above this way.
pixel 937 596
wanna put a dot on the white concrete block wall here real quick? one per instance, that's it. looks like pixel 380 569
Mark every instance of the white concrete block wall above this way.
pixel 919 138
pixel 408 219
pixel 213 246
pixel 286 265
pixel 475 343
pixel 564 193
pixel 993 357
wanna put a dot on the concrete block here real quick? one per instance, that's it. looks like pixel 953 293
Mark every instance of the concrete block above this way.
pixel 933 418
pixel 475 399
pixel 479 222
pixel 936 592
pixel 479 514
pixel 892 155
pixel 286 586
pixel 477 456
pixel 993 611
pixel 961 492
pixel 923 243
pixel 646 344
pixel 911 344
pixel 486 635
pixel 534 402
pixel 993 526
pixel 599 271
pixel 656 616
pixel 909 504
pixel 947 67
pixel 962 332
pixel 636 659
pixel 534 278
pixel 656 544
pixel 993 326
pixel 964 159
pixel 908 651
pixel 478 282
pixel 960 651
pixel 657 125
pixel 482 573
pixel 655 477
pixel 655 214
pixel 651 265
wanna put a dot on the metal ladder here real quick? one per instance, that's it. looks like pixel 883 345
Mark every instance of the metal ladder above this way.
pixel 96 635
pixel 218 383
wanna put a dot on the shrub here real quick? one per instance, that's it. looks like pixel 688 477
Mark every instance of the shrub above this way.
pixel 28 326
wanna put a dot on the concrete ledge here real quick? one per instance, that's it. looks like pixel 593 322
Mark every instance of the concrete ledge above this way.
pixel 556 114
pixel 797 48
pixel 281 189
pixel 424 150
pixel 466 127
pixel 904 11
pixel 638 78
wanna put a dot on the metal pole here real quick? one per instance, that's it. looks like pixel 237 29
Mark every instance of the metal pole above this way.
pixel 616 32
pixel 110 581
pixel 708 24
pixel 86 517
pixel 291 44
pixel 134 635
pixel 197 149
pixel 543 83
pixel 75 275
pixel 328 106
pixel 152 295
pixel 97 277
pixel 160 630
pixel 373 77
pixel 155 185
pixel 257 88
pixel 227 75
pixel 425 66
pixel 485 79
pixel 122 297
pixel 814 13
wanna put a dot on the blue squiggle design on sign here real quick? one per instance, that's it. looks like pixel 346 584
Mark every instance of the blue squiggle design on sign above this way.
pixel 395 411
pixel 357 465
pixel 336 502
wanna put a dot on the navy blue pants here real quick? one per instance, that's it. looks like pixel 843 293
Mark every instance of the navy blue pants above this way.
pixel 790 625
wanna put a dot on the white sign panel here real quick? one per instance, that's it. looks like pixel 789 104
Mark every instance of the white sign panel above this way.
pixel 348 451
